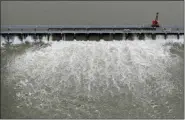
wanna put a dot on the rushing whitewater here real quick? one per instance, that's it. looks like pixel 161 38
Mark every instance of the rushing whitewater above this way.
pixel 88 79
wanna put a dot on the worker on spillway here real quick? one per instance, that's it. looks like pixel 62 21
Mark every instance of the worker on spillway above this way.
pixel 155 23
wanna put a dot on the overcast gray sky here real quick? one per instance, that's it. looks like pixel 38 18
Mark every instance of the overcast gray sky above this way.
pixel 90 12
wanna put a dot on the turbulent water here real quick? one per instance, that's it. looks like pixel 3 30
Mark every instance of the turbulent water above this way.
pixel 88 79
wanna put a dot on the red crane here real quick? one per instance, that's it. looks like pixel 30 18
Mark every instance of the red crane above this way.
pixel 155 23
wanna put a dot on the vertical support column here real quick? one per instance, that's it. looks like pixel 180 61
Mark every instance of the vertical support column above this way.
pixel 64 36
pixel 132 35
pixel 54 36
pixel 153 36
pixel 24 36
pixel 127 36
pixel 123 36
pixel 87 36
pixel 101 36
pixel 110 36
pixel 144 36
pixel 40 36
pixel 21 35
pixel 8 37
pixel 48 35
pixel 35 35
pixel 74 37
pixel 141 36
pixel 113 36
pixel 178 36
pixel 165 36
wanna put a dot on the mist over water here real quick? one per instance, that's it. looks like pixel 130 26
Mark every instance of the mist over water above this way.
pixel 88 79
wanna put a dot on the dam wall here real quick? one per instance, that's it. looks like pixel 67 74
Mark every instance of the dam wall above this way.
pixel 88 33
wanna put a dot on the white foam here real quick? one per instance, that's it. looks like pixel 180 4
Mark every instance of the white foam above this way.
pixel 159 37
pixel 44 39
pixel 29 39
pixel 88 65
pixel 16 41
pixel 3 41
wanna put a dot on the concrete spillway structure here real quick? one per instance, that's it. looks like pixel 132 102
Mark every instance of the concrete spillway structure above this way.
pixel 57 32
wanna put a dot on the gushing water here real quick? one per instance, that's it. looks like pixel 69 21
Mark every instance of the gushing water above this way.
pixel 85 79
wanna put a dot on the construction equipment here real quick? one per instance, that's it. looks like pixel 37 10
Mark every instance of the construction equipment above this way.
pixel 155 23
